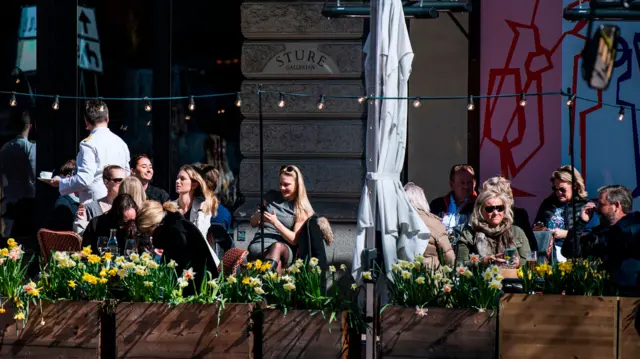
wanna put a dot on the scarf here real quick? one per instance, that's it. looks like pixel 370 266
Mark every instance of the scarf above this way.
pixel 490 241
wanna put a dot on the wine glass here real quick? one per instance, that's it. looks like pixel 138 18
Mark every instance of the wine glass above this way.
pixel 129 247
pixel 102 244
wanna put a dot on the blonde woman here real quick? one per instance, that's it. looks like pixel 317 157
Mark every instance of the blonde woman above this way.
pixel 556 212
pixel 133 187
pixel 196 202
pixel 491 232
pixel 285 213
pixel 179 239
pixel 439 239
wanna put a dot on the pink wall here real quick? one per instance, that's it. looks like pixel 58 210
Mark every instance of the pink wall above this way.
pixel 521 52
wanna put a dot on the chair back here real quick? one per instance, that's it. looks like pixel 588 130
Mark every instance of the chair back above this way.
pixel 232 259
pixel 219 239
pixel 57 241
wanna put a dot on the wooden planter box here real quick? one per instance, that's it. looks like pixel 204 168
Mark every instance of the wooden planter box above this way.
pixel 155 330
pixel 442 333
pixel 629 328
pixel 558 327
pixel 299 334
pixel 66 329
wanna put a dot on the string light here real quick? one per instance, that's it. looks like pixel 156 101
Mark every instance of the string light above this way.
pixel 192 103
pixel 187 117
pixel 417 103
pixel 321 103
pixel 281 102
pixel 147 105
pixel 149 123
pixel 101 108
pixel 571 99
pixel 621 114
pixel 362 99
pixel 523 100
pixel 56 103
pixel 17 80
pixel 238 100
pixel 13 102
pixel 470 105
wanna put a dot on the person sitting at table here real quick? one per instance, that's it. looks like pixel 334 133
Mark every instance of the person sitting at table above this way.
pixel 133 187
pixel 121 217
pixel 142 168
pixel 212 176
pixel 556 213
pixel 196 201
pixel 285 212
pixel 179 239
pixel 456 206
pixel 112 176
pixel 520 215
pixel 491 232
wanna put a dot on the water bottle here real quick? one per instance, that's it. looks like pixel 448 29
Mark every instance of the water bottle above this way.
pixel 112 244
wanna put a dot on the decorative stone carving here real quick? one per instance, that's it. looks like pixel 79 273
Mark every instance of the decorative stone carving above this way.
pixel 303 106
pixel 302 59
pixel 322 137
pixel 295 20
pixel 338 177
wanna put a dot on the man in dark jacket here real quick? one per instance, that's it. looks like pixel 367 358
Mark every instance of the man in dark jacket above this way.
pixel 455 207
pixel 615 240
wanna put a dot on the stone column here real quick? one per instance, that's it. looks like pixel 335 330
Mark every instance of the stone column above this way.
pixel 291 47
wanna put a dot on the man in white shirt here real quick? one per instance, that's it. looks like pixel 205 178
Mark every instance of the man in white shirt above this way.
pixel 100 149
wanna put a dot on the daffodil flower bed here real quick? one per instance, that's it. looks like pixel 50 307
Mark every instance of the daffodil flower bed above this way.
pixel 574 277
pixel 414 285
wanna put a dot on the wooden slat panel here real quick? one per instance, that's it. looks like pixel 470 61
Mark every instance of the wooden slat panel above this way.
pixel 557 327
pixel 301 335
pixel 70 330
pixel 153 330
pixel 629 328
pixel 443 333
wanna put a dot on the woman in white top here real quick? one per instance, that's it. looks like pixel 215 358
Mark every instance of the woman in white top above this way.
pixel 196 202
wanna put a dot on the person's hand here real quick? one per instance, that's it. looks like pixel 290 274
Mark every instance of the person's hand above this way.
pixel 494 259
pixel 55 182
pixel 516 260
pixel 82 213
pixel 271 217
pixel 559 233
pixel 588 211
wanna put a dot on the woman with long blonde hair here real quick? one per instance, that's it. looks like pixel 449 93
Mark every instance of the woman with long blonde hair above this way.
pixel 196 201
pixel 133 187
pixel 284 214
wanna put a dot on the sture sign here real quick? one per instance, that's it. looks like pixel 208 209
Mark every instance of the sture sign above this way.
pixel 301 59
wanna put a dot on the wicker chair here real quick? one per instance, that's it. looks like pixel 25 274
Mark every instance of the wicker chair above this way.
pixel 232 260
pixel 57 241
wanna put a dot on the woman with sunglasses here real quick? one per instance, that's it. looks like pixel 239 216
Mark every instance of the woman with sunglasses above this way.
pixel 556 213
pixel 491 233
pixel 284 214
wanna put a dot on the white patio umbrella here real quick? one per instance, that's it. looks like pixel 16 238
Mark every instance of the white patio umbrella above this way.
pixel 403 233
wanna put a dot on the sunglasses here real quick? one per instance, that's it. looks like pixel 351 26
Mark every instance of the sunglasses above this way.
pixel 287 168
pixel 115 180
pixel 561 189
pixel 491 209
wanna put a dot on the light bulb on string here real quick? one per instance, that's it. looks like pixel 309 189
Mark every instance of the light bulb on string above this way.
pixel 148 123
pixel 13 102
pixel 17 80
pixel 147 105
pixel 523 100
pixel 321 103
pixel 238 100
pixel 187 117
pixel 192 103
pixel 621 114
pixel 571 99
pixel 281 101
pixel 56 103
pixel 362 99
pixel 470 105
pixel 101 107
pixel 417 103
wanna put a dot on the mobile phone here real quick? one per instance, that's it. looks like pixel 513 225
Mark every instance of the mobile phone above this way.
pixel 509 253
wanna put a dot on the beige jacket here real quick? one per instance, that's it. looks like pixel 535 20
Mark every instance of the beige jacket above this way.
pixel 439 240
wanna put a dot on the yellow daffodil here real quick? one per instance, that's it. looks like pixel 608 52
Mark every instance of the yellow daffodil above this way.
pixel 72 284
pixel 89 278
pixel 343 267
pixel 19 316
pixel 18 302
pixel 265 267
pixel 258 263
pixel 332 269
pixel 148 284
pixel 254 282
pixel 468 274
pixel 246 280
pixel 93 259
pixel 113 271
pixel 86 250
pixel 520 273
pixel 231 279
pixel 172 264
pixel 103 272
pixel 107 257
pixel 494 284
pixel 354 286
pixel 259 290
pixel 420 280
pixel 419 258
pixel 212 283
pixel 4 252
pixel 406 274
pixel 12 243
pixel 294 269
pixel 2 310
pixel 313 262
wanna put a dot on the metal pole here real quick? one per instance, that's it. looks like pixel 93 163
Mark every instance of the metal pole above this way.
pixel 262 207
pixel 573 175
pixel 372 166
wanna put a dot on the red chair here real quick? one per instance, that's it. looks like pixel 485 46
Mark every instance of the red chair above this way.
pixel 57 241
pixel 232 260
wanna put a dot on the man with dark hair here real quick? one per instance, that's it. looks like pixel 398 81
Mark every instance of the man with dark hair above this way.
pixel 17 169
pixel 614 240
pixel 456 206
pixel 100 149
pixel 142 168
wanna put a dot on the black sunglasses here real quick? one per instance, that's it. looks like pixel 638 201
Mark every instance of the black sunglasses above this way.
pixel 116 180
pixel 561 189
pixel 490 209
pixel 286 168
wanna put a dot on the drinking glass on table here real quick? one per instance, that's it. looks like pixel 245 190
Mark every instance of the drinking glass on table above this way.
pixel 129 247
pixel 532 260
pixel 102 244
pixel 508 256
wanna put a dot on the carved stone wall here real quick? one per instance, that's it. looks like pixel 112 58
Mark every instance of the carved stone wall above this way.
pixel 292 48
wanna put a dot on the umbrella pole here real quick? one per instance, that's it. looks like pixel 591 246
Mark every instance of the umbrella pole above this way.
pixel 262 207
pixel 372 167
